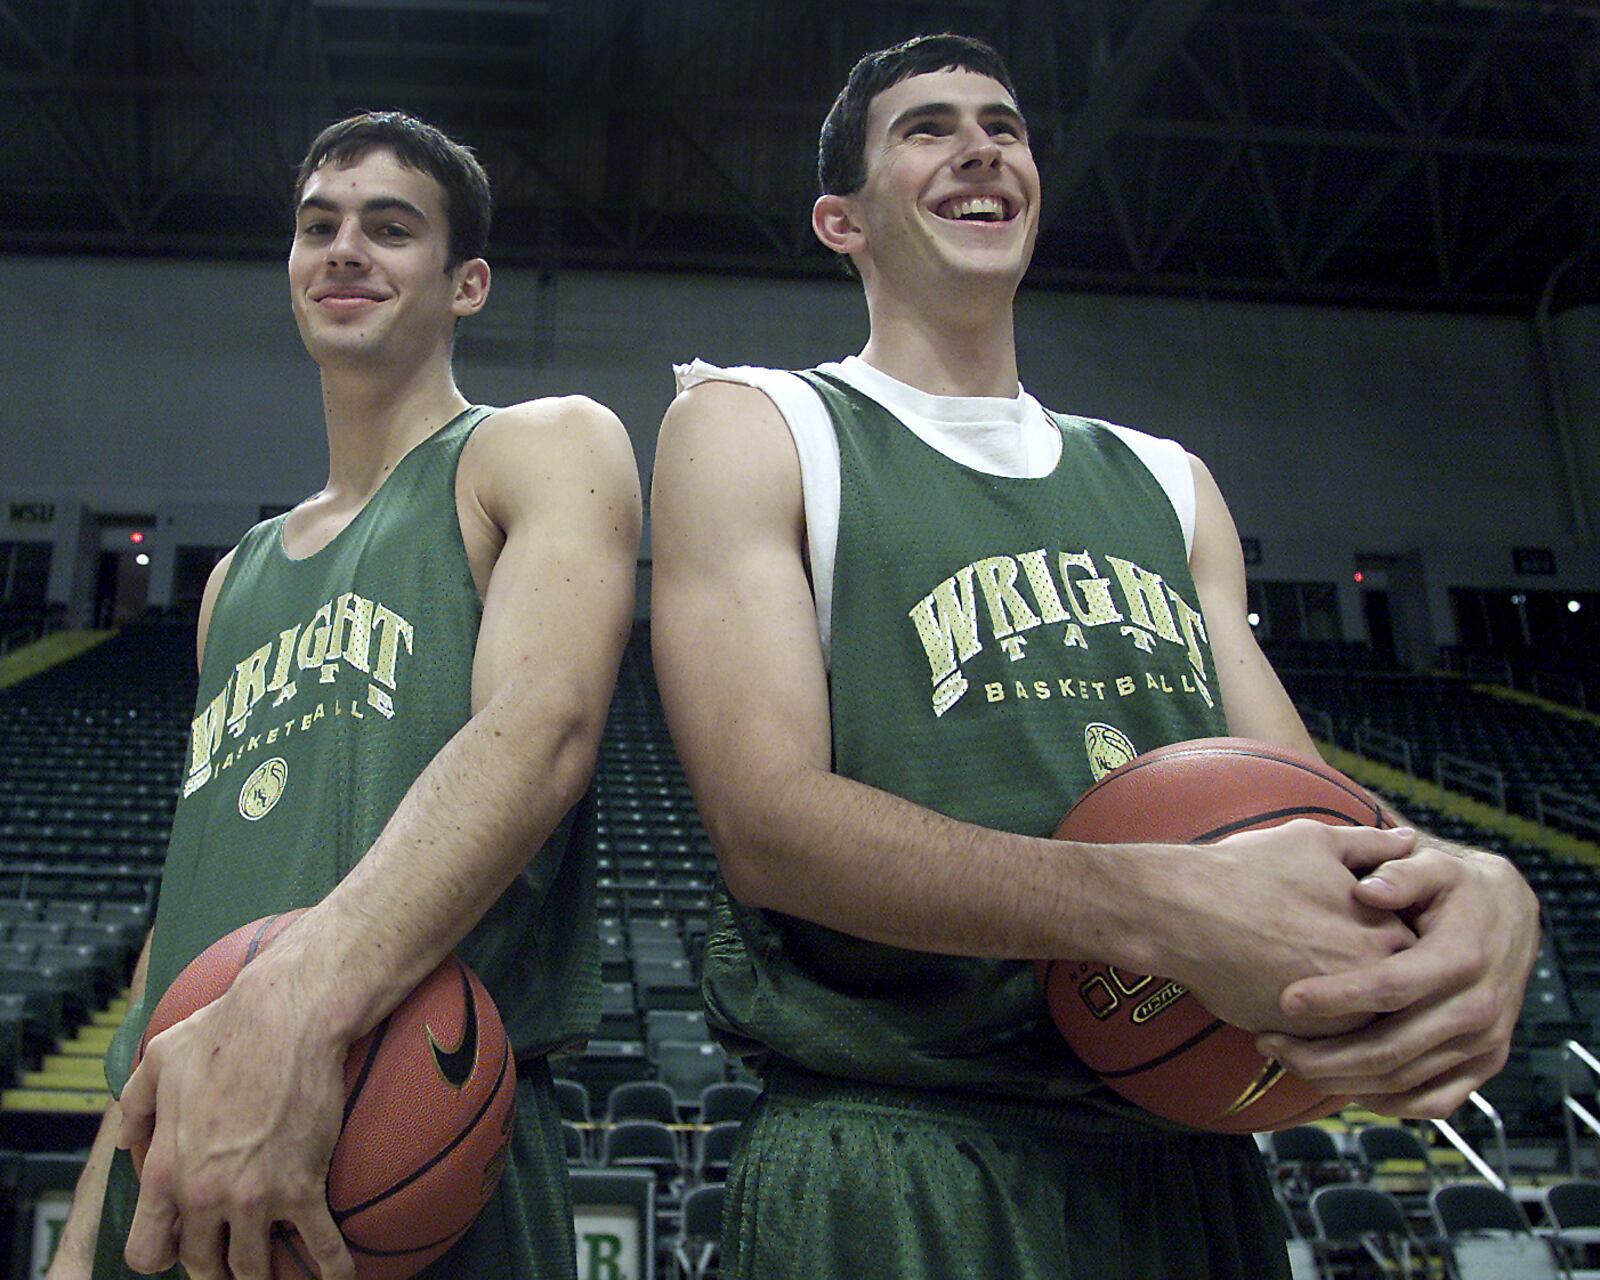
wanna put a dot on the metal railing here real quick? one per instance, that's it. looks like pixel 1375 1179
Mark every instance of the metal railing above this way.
pixel 1383 745
pixel 1557 686
pixel 1471 776
pixel 1572 813
pixel 20 636
pixel 1319 724
pixel 1482 667
pixel 1501 1180
pixel 1572 1111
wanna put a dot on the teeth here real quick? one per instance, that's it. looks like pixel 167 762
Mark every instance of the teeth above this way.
pixel 989 208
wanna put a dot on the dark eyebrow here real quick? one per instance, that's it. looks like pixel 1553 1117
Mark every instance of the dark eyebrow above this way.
pixel 378 204
pixel 944 110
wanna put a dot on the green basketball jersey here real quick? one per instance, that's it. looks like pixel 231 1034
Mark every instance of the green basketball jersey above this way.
pixel 328 684
pixel 997 645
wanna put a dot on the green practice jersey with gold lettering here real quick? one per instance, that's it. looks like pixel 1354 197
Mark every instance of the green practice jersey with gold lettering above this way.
pixel 328 684
pixel 997 644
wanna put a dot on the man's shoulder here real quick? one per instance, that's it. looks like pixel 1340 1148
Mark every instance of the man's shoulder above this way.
pixel 537 421
pixel 542 450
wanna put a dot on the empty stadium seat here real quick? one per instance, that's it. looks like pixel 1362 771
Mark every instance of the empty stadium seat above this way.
pixel 695 1250
pixel 1354 1222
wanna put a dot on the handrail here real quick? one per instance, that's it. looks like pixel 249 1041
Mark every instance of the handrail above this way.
pixel 1481 666
pixel 1577 812
pixel 1373 741
pixel 1571 1107
pixel 1466 1149
pixel 1558 686
pixel 1319 723
pixel 1451 771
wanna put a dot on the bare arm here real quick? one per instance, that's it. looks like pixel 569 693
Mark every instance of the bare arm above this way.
pixel 741 674
pixel 250 1140
pixel 1452 1000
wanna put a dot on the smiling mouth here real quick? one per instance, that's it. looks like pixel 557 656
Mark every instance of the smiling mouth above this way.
pixel 975 209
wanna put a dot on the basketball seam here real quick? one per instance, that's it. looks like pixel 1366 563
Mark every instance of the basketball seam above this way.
pixel 366 1070
pixel 1332 776
pixel 340 1215
pixel 1177 1051
pixel 255 941
pixel 1251 820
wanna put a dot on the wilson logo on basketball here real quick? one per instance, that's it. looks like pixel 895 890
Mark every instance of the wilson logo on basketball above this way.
pixel 263 789
pixel 1156 1003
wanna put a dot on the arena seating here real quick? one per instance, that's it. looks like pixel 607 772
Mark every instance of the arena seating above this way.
pixel 94 751
pixel 1531 746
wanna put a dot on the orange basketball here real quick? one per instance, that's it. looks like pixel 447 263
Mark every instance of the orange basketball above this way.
pixel 427 1111
pixel 1147 1037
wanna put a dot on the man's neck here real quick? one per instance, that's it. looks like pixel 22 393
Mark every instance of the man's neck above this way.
pixel 969 352
pixel 376 416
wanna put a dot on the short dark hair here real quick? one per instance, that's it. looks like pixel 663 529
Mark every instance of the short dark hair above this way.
pixel 468 201
pixel 842 147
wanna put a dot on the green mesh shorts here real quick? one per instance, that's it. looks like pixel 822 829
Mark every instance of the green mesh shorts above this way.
pixel 524 1233
pixel 833 1179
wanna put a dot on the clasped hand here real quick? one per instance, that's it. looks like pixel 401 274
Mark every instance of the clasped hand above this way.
pixel 1443 1010
pixel 241 1105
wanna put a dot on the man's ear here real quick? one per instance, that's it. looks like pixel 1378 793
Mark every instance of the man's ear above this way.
pixel 472 287
pixel 833 219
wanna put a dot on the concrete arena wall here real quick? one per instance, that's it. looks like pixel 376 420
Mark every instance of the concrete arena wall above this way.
pixel 180 389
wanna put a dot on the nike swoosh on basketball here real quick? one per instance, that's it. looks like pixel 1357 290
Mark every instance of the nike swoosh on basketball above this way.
pixel 456 1064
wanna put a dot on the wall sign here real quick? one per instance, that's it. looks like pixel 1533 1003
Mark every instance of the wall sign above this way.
pixel 33 512
pixel 1539 561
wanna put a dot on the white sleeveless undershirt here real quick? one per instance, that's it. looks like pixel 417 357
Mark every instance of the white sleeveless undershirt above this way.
pixel 1000 436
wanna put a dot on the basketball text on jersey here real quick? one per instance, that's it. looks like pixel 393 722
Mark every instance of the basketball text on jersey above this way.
pixel 348 633
pixel 1072 604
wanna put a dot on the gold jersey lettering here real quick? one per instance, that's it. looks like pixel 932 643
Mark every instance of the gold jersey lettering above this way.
pixel 1146 595
pixel 1008 611
pixel 205 738
pixel 352 630
pixel 1193 624
pixel 947 624
pixel 313 647
pixel 1140 637
pixel 1037 567
pixel 280 669
pixel 393 631
pixel 250 684
pixel 1096 607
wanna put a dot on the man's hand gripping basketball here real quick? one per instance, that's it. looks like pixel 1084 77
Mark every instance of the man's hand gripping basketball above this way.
pixel 1446 1007
pixel 1263 909
pixel 241 1104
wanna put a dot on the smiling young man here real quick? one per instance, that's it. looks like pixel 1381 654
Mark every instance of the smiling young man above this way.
pixel 403 683
pixel 903 616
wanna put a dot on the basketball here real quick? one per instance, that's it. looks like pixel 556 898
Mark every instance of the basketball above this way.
pixel 427 1111
pixel 1146 1037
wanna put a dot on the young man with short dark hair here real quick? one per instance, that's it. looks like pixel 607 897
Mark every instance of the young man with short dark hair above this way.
pixel 903 616
pixel 421 657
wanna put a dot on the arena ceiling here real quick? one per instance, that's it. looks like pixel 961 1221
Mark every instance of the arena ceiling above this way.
pixel 1427 153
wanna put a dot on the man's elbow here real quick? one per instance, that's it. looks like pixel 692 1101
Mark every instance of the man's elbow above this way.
pixel 569 765
pixel 743 857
